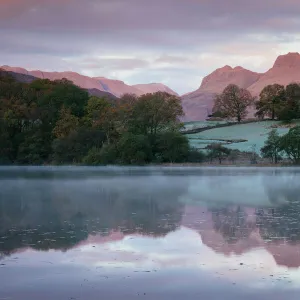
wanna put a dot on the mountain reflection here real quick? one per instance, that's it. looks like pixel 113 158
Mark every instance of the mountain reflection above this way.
pixel 60 213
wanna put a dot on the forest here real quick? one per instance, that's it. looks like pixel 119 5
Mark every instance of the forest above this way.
pixel 56 122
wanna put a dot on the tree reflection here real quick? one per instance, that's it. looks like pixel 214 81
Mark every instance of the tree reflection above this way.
pixel 53 213
pixel 232 223
pixel 281 222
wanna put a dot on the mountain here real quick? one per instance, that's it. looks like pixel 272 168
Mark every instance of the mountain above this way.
pixel 20 76
pixel 114 87
pixel 98 93
pixel 285 70
pixel 154 87
pixel 198 104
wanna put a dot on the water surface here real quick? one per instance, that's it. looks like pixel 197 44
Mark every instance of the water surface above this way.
pixel 150 233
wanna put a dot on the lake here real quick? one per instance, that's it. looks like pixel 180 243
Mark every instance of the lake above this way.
pixel 149 233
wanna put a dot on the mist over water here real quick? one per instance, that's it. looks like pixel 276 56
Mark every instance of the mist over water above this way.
pixel 156 233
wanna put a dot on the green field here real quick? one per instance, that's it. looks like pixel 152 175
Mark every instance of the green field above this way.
pixel 254 133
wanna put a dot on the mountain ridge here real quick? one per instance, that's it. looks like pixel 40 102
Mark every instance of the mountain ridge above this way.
pixel 112 86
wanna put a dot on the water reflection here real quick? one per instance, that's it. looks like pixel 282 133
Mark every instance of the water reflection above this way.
pixel 153 222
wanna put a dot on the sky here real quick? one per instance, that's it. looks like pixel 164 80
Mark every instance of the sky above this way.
pixel 175 42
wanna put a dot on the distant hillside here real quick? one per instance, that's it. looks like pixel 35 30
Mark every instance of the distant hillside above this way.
pixel 19 76
pixel 29 78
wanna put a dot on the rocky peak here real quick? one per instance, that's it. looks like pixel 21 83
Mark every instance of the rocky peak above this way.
pixel 290 60
pixel 220 78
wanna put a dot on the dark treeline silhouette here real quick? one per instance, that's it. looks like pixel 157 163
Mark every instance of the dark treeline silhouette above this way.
pixel 46 122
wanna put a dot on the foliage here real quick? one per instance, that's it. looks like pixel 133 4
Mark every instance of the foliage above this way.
pixel 272 148
pixel 172 147
pixel 290 144
pixel 56 121
pixel 101 156
pixel 279 102
pixel 34 148
pixel 76 145
pixel 217 151
pixel 195 156
pixel 270 101
pixel 233 102
pixel 66 124
pixel 291 107
pixel 134 149
pixel 154 113
pixel 94 110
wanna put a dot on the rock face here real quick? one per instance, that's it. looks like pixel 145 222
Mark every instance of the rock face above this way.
pixel 286 70
pixel 114 87
pixel 198 104
pixel 217 81
pixel 154 87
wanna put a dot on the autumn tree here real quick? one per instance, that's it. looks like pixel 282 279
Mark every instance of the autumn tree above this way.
pixel 270 101
pixel 233 102
pixel 66 124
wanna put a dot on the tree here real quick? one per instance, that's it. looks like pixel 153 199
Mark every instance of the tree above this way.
pixel 233 102
pixel 74 147
pixel 155 113
pixel 45 121
pixel 134 149
pixel 290 144
pixel 217 151
pixel 290 108
pixel 233 155
pixel 94 110
pixel 270 101
pixel 272 147
pixel 172 147
pixel 66 124
pixel 108 154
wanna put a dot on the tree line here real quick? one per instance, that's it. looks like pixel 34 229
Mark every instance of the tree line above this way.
pixel 56 122
pixel 274 102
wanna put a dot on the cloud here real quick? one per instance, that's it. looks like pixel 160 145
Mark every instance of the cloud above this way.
pixel 134 37
pixel 113 63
